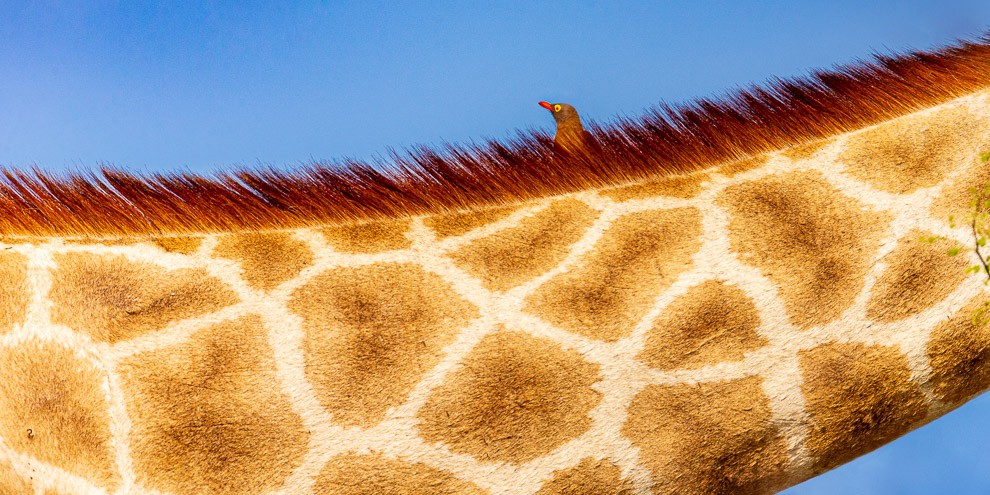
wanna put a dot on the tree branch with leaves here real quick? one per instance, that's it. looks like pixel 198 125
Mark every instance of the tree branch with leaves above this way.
pixel 979 223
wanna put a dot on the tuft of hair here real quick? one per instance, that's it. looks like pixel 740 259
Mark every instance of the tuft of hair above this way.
pixel 668 139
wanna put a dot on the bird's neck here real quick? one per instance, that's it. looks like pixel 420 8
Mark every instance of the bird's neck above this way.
pixel 572 124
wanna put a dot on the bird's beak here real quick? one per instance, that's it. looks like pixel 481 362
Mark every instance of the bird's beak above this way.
pixel 546 105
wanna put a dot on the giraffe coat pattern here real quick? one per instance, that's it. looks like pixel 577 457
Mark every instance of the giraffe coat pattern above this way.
pixel 736 329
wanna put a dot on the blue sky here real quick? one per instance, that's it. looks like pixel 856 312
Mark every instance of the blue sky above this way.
pixel 213 85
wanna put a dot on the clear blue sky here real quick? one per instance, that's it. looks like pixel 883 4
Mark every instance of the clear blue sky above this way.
pixel 204 86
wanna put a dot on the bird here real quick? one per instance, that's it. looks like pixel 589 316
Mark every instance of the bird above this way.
pixel 571 136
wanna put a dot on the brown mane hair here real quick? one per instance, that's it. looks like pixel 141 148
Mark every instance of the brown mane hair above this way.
pixel 667 140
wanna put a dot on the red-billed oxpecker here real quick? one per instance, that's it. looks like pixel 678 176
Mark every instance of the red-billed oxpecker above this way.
pixel 571 135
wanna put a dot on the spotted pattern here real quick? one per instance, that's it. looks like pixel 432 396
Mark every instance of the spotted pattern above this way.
pixel 736 167
pixel 588 478
pixel 58 411
pixel 638 257
pixel 915 151
pixel 807 238
pixel 684 186
pixel 455 224
pixel 858 397
pixel 512 256
pixel 614 347
pixel 954 200
pixel 959 352
pixel 373 474
pixel 13 290
pixel 370 237
pixel 267 259
pixel 208 415
pixel 710 324
pixel 124 299
pixel 372 332
pixel 806 150
pixel 920 274
pixel 178 244
pixel 708 438
pixel 515 398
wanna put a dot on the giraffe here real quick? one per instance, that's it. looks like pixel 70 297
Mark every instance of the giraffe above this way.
pixel 738 327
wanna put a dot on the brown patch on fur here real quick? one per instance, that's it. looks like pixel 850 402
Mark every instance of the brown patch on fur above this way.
pixel 711 323
pixel 590 477
pixel 731 169
pixel 913 152
pixel 685 186
pixel 208 415
pixel 859 397
pixel 267 259
pixel 14 296
pixel 369 237
pixel 454 224
pixel 515 255
pixel 171 244
pixel 103 241
pixel 61 399
pixel 112 299
pixel 918 275
pixel 607 293
pixel 664 141
pixel 959 354
pixel 712 438
pixel 807 238
pixel 514 398
pixel 178 244
pixel 806 150
pixel 955 198
pixel 372 332
pixel 372 474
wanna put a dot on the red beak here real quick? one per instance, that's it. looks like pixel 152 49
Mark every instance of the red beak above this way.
pixel 546 105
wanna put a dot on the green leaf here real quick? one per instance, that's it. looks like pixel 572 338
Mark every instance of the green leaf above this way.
pixel 952 251
pixel 985 157
pixel 980 316
pixel 982 241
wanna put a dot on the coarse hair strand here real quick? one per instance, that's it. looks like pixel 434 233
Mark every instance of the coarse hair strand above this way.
pixel 669 139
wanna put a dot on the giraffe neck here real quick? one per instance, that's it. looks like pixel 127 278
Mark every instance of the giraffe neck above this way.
pixel 734 330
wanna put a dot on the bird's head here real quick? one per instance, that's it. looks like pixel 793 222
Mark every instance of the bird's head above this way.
pixel 562 112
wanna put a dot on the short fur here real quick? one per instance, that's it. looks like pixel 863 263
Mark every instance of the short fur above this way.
pixel 669 139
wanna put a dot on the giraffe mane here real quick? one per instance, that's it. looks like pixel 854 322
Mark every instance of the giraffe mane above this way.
pixel 669 139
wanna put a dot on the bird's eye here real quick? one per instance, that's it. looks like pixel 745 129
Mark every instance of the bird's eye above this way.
pixel 556 108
